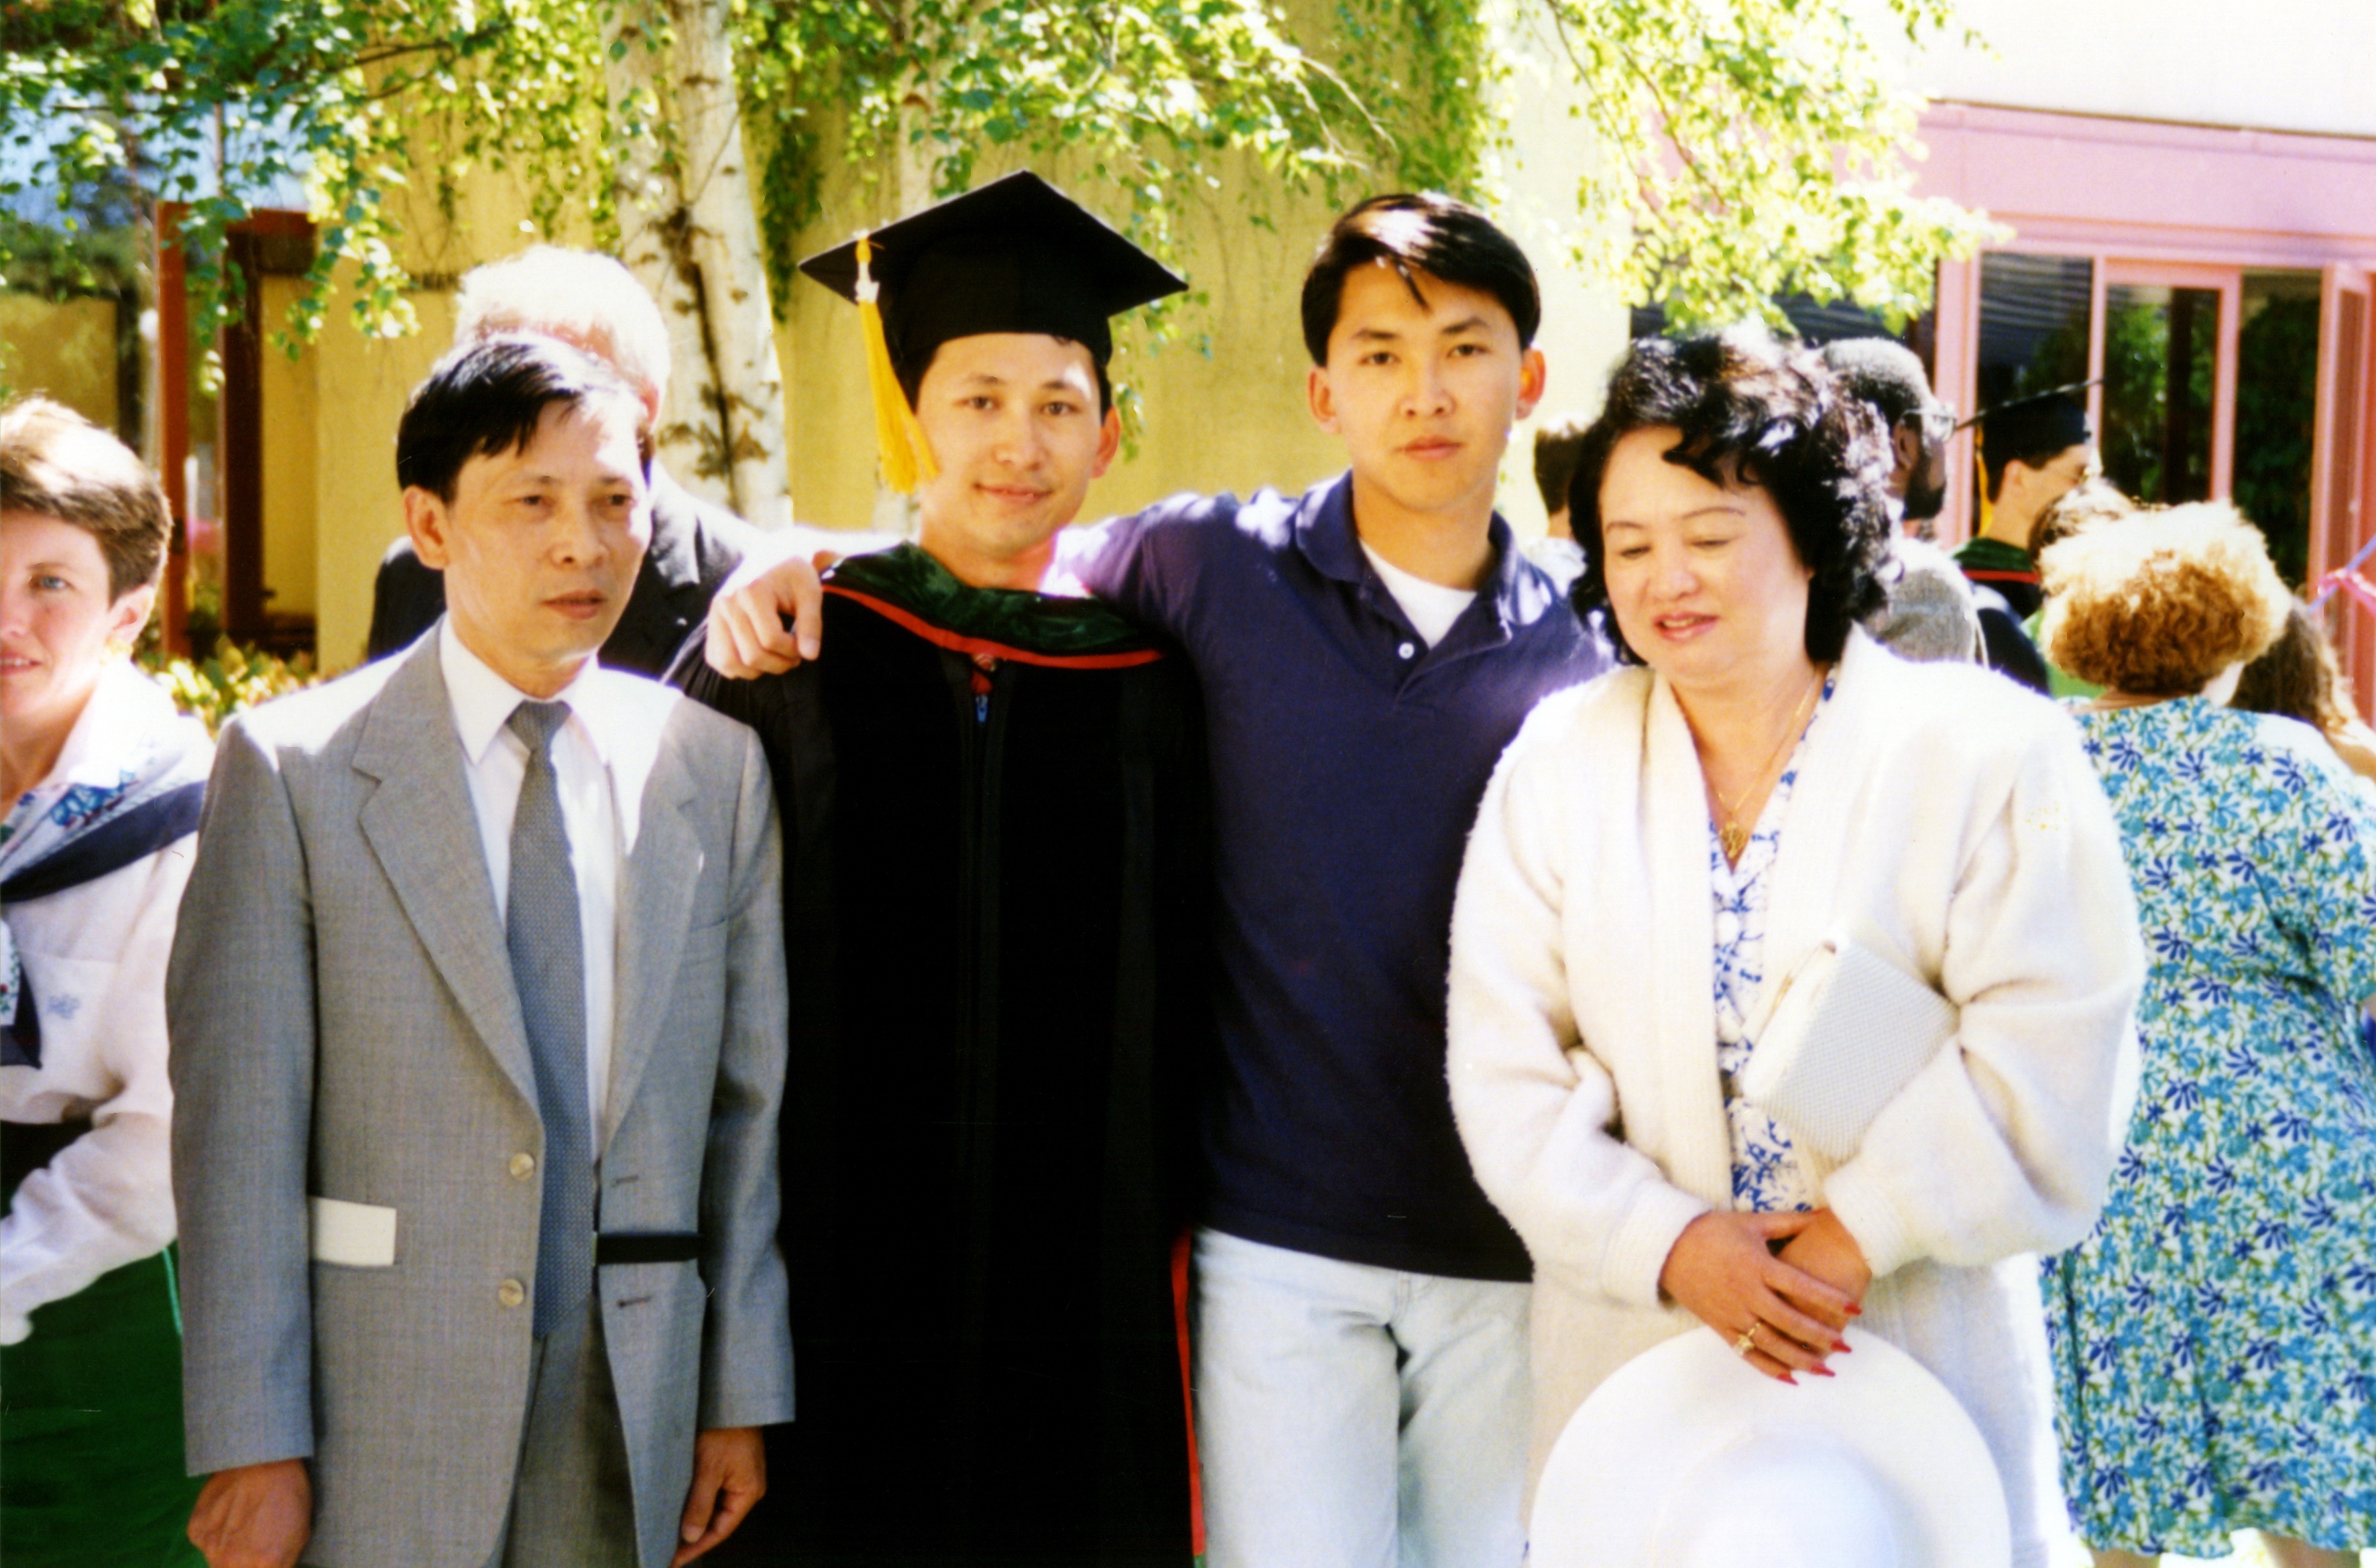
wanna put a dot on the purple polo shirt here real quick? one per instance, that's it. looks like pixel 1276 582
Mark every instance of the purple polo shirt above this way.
pixel 1348 759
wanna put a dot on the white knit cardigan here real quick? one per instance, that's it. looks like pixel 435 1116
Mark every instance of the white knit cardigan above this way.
pixel 1942 815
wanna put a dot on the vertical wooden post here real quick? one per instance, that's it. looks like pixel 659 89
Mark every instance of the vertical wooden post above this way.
pixel 173 417
pixel 1954 379
pixel 239 448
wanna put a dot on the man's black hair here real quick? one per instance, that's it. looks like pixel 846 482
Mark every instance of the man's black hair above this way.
pixel 2036 429
pixel 1751 412
pixel 1427 233
pixel 488 396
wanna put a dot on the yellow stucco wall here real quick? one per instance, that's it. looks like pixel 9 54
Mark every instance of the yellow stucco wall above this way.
pixel 1233 419
pixel 61 348
pixel 363 383
pixel 1230 419
pixel 289 419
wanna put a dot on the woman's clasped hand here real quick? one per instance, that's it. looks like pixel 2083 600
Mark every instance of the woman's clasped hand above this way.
pixel 1779 1288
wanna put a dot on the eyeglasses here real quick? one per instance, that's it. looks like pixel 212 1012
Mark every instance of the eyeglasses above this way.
pixel 1937 422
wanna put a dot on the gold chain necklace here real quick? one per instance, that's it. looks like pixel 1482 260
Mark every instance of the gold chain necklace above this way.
pixel 1732 836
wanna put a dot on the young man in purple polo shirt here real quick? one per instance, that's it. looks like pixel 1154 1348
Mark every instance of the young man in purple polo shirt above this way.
pixel 1365 652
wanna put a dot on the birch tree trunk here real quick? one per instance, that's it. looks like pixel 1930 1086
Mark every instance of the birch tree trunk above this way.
pixel 689 233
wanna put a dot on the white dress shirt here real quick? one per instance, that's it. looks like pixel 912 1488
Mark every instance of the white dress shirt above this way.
pixel 495 761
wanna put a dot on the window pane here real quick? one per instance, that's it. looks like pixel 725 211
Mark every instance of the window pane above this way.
pixel 2033 325
pixel 2276 411
pixel 2033 328
pixel 2160 346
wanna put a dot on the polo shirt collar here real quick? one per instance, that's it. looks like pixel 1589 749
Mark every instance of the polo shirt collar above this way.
pixel 1324 533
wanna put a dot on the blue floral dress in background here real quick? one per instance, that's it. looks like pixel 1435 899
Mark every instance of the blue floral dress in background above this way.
pixel 2214 1337
pixel 1768 1175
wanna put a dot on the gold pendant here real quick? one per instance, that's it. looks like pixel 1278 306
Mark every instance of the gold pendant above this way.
pixel 1734 839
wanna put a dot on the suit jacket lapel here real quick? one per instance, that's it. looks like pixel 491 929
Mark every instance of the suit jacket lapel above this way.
pixel 656 898
pixel 424 831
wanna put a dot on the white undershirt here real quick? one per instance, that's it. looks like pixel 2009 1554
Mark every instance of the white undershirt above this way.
pixel 495 761
pixel 1431 608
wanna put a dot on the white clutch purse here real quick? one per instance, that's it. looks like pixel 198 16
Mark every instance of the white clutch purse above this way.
pixel 1836 1041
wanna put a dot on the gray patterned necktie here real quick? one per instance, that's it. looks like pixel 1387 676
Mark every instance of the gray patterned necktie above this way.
pixel 548 953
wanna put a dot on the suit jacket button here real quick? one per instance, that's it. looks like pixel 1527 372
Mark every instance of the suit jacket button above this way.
pixel 511 1294
pixel 523 1165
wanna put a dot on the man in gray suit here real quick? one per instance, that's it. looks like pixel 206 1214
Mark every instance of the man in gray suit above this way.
pixel 478 1023
pixel 589 302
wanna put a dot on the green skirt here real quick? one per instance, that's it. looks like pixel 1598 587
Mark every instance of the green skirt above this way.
pixel 90 1429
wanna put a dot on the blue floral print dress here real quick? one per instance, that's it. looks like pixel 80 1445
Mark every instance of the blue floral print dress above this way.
pixel 2214 1338
pixel 1768 1176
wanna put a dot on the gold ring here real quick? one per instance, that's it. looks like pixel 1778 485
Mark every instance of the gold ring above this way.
pixel 1748 1340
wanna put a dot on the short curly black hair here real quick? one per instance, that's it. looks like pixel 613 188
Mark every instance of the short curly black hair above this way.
pixel 1754 411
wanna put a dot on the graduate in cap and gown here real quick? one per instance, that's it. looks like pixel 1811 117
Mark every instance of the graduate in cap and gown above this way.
pixel 996 912
pixel 2031 451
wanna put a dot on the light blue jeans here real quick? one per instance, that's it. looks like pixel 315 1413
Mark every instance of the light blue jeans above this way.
pixel 1351 1416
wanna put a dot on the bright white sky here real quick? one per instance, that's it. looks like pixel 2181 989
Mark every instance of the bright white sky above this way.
pixel 2271 64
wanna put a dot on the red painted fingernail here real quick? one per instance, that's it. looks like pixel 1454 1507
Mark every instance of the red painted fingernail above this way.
pixel 1842 1346
pixel 1856 1311
pixel 1789 1379
pixel 1822 1372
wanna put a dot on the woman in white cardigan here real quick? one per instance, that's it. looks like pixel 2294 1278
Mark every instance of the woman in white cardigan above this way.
pixel 1658 845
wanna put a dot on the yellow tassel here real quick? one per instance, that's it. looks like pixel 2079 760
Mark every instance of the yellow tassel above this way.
pixel 1987 512
pixel 905 459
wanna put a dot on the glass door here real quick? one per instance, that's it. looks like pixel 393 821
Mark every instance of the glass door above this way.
pixel 2340 481
pixel 2165 346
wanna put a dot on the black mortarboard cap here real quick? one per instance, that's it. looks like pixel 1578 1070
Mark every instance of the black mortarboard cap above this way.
pixel 2037 423
pixel 1014 255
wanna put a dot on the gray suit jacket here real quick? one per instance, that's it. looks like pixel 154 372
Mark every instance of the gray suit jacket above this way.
pixel 344 1026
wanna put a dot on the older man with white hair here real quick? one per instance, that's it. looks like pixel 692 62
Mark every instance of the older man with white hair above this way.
pixel 594 304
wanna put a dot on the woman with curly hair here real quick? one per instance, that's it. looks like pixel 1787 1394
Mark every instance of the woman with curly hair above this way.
pixel 1659 849
pixel 2214 1335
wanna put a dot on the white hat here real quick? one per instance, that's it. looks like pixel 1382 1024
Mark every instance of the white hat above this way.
pixel 1687 1459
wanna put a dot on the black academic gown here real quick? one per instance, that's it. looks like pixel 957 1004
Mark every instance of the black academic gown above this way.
pixel 2006 593
pixel 996 912
pixel 695 546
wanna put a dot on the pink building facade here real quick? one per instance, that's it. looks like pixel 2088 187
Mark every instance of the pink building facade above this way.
pixel 2212 283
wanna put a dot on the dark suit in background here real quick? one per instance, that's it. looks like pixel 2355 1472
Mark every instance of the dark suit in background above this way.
pixel 695 546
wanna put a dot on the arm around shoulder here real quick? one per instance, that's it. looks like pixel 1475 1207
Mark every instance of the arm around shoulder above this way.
pixel 1145 563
